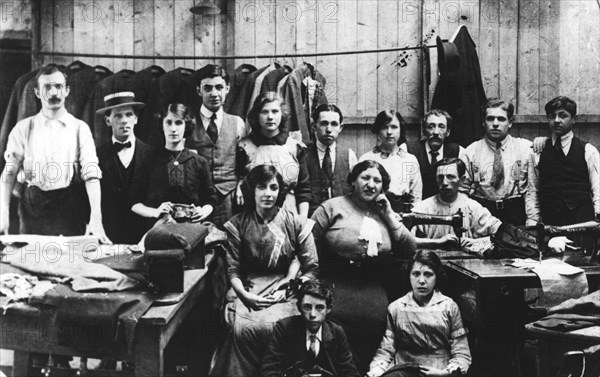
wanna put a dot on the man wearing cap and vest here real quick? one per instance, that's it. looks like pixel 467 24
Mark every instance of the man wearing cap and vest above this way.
pixel 499 166
pixel 53 154
pixel 215 138
pixel 433 147
pixel 118 160
pixel 328 165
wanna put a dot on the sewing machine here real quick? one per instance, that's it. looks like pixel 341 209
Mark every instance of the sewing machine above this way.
pixel 455 221
pixel 545 232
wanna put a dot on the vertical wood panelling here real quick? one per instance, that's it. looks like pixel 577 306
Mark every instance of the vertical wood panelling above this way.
pixel 408 63
pixel 83 25
pixel 285 25
pixel 264 31
pixel 306 34
pixel 184 22
pixel 366 73
pixel 102 18
pixel 63 29
pixel 529 50
pixel 346 87
pixel 246 14
pixel 487 50
pixel 123 26
pixel 164 38
pixel 47 29
pixel 143 33
pixel 570 48
pixel 589 62
pixel 387 68
pixel 327 42
pixel 507 47
pixel 204 38
pixel 528 68
pixel 549 52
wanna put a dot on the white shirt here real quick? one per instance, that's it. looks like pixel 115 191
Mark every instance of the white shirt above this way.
pixel 126 154
pixel 206 114
pixel 461 152
pixel 319 335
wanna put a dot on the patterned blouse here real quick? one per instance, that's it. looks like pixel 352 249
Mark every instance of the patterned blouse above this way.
pixel 260 247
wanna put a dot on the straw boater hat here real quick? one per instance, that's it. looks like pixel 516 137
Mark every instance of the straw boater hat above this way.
pixel 116 100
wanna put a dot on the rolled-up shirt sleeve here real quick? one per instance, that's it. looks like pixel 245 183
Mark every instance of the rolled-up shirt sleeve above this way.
pixel 593 164
pixel 15 147
pixel 88 160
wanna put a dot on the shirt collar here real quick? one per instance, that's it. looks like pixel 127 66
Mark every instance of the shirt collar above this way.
pixel 565 139
pixel 319 334
pixel 492 144
pixel 436 298
pixel 64 118
pixel 207 113
pixel 131 139
pixel 428 149
pixel 397 150
pixel 321 147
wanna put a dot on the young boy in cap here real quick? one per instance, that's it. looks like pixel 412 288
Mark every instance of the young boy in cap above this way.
pixel 118 160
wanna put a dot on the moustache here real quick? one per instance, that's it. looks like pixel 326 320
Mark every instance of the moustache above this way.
pixel 54 100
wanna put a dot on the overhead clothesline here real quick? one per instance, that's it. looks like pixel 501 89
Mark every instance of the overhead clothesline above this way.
pixel 225 57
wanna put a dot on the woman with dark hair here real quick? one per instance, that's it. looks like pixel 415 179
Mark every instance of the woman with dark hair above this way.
pixel 268 247
pixel 269 143
pixel 174 175
pixel 360 240
pixel 406 185
pixel 425 334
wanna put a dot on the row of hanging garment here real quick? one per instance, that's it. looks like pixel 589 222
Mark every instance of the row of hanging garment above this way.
pixel 302 88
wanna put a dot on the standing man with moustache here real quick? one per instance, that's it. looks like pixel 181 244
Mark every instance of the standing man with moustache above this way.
pixel 499 167
pixel 53 154
pixel 215 138
pixel 328 165
pixel 433 146
pixel 118 160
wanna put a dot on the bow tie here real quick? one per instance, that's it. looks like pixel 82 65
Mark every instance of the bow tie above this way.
pixel 120 146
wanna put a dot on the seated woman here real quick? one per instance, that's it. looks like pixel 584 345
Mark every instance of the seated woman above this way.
pixel 268 247
pixel 174 175
pixel 406 186
pixel 425 334
pixel 269 143
pixel 360 241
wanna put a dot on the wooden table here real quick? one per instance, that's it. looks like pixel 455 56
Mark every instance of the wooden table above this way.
pixel 491 296
pixel 23 332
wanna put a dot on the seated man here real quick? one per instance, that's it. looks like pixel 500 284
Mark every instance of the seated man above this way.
pixel 309 341
pixel 477 221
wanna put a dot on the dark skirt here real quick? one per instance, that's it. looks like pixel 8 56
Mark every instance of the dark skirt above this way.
pixel 362 293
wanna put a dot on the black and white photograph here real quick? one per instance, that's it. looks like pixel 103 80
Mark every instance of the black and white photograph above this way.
pixel 300 188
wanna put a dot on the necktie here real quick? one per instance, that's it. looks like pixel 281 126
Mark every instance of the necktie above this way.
pixel 327 168
pixel 498 168
pixel 212 130
pixel 558 147
pixel 313 345
pixel 434 155
pixel 119 146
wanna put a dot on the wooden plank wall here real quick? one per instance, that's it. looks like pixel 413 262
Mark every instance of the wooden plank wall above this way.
pixel 529 50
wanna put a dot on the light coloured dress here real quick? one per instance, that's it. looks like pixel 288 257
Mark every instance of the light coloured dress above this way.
pixel 403 169
pixel 286 154
pixel 260 254
pixel 431 335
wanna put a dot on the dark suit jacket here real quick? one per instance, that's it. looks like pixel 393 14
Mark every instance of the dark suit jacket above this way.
pixel 288 346
pixel 121 225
